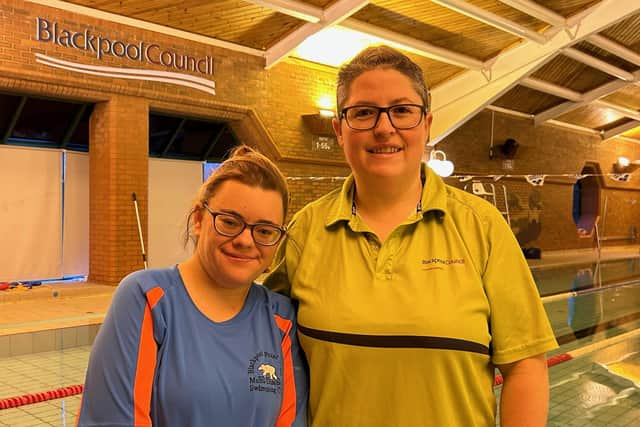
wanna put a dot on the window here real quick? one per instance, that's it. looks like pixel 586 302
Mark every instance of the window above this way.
pixel 42 122
pixel 189 139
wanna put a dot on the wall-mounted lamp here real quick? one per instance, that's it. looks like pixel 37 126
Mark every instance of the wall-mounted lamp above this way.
pixel 326 113
pixel 319 123
pixel 624 165
pixel 441 166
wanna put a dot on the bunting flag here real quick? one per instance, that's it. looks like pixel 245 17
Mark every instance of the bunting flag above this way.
pixel 620 177
pixel 535 179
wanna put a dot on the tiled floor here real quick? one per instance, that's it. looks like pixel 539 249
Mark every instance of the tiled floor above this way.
pixel 55 323
pixel 585 394
pixel 39 372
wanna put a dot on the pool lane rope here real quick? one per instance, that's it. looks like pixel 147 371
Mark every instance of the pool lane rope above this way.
pixel 28 399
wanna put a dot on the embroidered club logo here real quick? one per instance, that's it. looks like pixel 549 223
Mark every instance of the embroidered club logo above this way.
pixel 263 373
pixel 268 371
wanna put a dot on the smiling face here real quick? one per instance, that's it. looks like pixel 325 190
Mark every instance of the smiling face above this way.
pixel 383 152
pixel 233 262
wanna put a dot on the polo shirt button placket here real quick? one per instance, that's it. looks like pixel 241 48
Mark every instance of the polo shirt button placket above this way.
pixel 374 245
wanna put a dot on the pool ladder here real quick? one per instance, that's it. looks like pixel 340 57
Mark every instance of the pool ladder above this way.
pixel 480 189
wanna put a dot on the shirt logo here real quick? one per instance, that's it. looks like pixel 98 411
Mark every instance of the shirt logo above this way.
pixel 268 371
pixel 262 373
pixel 440 263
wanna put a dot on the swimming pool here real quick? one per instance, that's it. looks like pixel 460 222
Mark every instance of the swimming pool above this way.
pixel 582 299
pixel 593 306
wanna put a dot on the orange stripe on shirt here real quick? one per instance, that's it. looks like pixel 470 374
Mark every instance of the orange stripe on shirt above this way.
pixel 288 407
pixel 79 411
pixel 147 354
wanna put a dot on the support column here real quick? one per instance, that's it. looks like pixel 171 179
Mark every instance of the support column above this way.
pixel 119 166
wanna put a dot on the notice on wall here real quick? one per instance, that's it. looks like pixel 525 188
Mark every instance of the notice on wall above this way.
pixel 322 143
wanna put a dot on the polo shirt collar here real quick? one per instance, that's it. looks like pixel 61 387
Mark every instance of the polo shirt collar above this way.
pixel 434 197
pixel 434 192
pixel 341 208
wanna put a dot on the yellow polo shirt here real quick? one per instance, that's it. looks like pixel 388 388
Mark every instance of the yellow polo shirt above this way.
pixel 407 332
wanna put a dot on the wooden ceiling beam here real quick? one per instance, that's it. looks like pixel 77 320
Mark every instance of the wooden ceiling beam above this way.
pixel 614 132
pixel 551 89
pixel 334 14
pixel 414 45
pixel 458 99
pixel 492 19
pixel 588 97
pixel 615 48
pixel 540 12
pixel 627 112
pixel 628 139
pixel 297 9
pixel 598 64
pixel 555 123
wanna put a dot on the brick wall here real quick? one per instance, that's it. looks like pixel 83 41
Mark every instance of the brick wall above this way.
pixel 118 167
pixel 542 215
pixel 264 107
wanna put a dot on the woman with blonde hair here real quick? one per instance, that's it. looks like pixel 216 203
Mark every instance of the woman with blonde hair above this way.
pixel 199 343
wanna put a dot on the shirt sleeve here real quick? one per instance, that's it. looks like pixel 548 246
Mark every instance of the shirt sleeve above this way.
pixel 519 324
pixel 118 384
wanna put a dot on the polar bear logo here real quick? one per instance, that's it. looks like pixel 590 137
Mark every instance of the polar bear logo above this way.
pixel 268 371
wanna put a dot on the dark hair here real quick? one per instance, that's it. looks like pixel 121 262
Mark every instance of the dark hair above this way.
pixel 380 57
pixel 247 166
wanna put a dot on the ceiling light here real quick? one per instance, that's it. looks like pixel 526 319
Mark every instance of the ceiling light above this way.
pixel 623 162
pixel 344 43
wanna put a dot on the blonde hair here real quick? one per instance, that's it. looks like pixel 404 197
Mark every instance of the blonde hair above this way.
pixel 249 167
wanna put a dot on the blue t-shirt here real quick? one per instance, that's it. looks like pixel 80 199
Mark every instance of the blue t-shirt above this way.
pixel 158 360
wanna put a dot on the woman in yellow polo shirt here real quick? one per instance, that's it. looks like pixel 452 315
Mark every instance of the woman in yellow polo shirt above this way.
pixel 410 291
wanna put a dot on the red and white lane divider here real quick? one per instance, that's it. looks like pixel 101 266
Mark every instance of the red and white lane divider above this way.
pixel 27 399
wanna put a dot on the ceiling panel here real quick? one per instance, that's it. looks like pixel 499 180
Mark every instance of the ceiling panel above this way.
pixel 592 117
pixel 566 72
pixel 526 100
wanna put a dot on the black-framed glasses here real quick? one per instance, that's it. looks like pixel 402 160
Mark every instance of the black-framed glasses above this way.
pixel 366 117
pixel 229 225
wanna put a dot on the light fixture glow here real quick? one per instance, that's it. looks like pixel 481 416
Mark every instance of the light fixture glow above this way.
pixel 326 102
pixel 344 45
pixel 442 166
pixel 623 162
pixel 611 115
pixel 326 113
